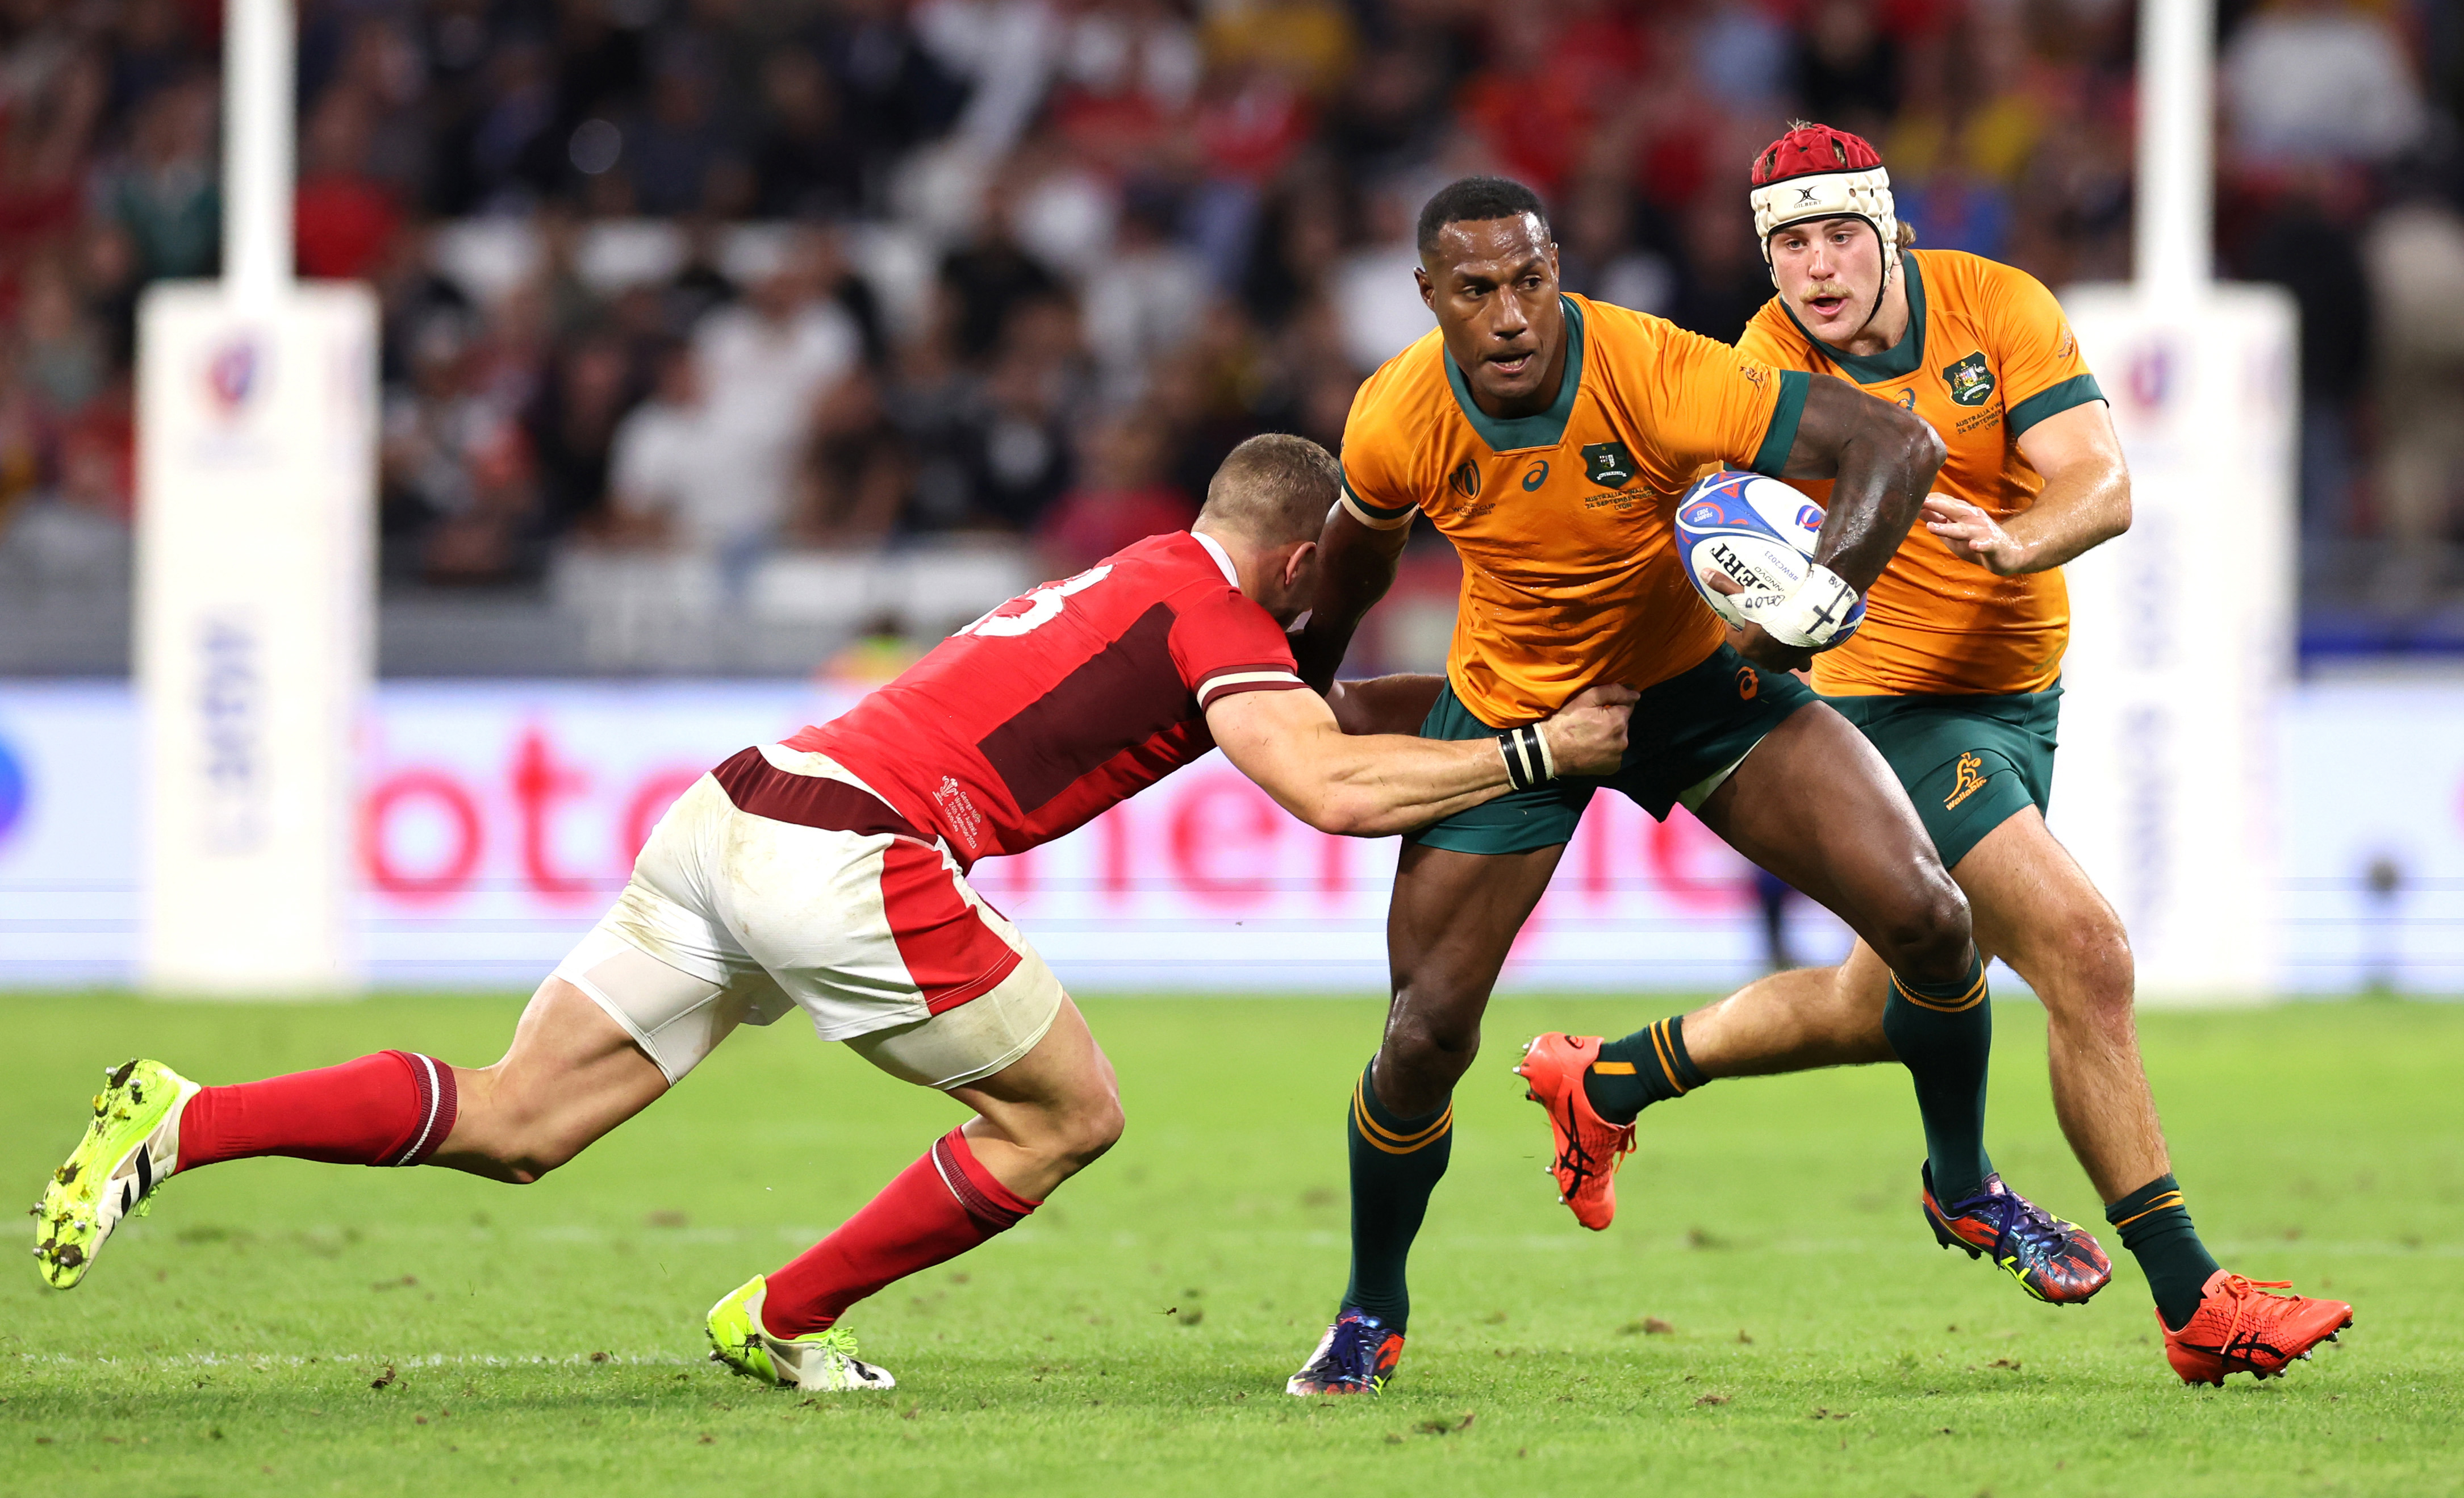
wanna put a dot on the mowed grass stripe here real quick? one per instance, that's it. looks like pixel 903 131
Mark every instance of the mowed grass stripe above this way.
pixel 1137 1330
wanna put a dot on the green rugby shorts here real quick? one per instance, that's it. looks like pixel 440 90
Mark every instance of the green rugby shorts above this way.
pixel 1692 728
pixel 1970 764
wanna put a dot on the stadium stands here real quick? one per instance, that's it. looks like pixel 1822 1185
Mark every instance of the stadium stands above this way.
pixel 695 308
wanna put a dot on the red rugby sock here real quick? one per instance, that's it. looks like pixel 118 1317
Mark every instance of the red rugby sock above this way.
pixel 935 1210
pixel 390 1109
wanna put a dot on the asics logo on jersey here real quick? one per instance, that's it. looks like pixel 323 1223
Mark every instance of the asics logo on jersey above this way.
pixel 1538 476
pixel 1907 399
pixel 1748 683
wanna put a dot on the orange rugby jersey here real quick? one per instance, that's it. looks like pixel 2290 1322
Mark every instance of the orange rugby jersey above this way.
pixel 1988 355
pixel 1571 571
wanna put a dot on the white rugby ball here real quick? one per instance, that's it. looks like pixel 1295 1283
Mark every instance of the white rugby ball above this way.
pixel 1757 530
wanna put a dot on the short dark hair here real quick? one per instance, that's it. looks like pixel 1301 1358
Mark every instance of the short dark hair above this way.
pixel 1274 490
pixel 1473 199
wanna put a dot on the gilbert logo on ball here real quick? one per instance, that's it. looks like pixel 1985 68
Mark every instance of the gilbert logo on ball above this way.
pixel 1757 532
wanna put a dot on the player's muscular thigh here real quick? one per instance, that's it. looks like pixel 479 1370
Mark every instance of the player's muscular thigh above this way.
pixel 1453 921
pixel 1815 804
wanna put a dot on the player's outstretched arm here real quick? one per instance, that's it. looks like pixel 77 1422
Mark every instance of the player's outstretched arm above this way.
pixel 1376 785
pixel 1356 568
pixel 2085 501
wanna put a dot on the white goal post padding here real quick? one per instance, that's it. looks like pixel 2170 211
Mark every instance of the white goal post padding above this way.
pixel 256 580
pixel 2182 643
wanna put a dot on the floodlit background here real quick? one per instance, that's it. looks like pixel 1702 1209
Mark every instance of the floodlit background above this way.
pixel 735 350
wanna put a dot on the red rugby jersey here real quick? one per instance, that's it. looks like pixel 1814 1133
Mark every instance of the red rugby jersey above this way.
pixel 1061 702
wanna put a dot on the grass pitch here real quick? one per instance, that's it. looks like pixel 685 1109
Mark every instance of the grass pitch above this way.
pixel 1768 1314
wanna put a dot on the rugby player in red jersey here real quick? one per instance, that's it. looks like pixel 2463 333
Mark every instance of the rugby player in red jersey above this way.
pixel 828 873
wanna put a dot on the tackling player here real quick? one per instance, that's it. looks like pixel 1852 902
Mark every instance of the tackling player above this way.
pixel 1955 677
pixel 1548 435
pixel 828 873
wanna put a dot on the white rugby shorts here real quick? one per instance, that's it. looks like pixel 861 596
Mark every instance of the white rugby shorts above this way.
pixel 780 881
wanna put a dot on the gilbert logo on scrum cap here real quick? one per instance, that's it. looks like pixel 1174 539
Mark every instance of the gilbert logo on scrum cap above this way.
pixel 1969 380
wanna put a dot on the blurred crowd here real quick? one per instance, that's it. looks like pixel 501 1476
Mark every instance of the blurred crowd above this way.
pixel 1035 265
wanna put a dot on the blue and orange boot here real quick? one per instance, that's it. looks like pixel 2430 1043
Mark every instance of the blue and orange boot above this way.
pixel 2055 1261
pixel 2240 1329
pixel 1586 1147
pixel 1357 1355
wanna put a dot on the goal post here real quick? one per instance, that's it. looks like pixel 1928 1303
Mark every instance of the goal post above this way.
pixel 2183 629
pixel 257 413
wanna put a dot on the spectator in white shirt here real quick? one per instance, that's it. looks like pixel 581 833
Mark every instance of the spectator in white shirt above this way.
pixel 764 363
pixel 676 482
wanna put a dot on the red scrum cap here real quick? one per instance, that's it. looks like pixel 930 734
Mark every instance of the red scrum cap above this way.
pixel 1815 172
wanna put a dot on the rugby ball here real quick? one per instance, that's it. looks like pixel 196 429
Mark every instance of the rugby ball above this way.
pixel 1757 530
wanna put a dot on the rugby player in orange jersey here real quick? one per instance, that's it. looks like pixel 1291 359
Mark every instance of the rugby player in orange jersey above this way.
pixel 1549 436
pixel 1955 676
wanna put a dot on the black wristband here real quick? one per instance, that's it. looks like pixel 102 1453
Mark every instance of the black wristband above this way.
pixel 1527 760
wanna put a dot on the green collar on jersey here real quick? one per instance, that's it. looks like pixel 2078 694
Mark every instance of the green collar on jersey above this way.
pixel 1515 433
pixel 1895 363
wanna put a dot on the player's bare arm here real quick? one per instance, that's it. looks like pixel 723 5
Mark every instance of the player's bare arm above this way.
pixel 1373 785
pixel 1882 461
pixel 2085 501
pixel 1356 568
pixel 1396 704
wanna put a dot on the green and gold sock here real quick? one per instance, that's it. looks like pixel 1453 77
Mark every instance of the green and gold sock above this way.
pixel 1944 1034
pixel 2156 1228
pixel 1648 1066
pixel 1396 1163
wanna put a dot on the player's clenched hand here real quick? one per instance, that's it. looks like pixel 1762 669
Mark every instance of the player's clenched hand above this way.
pixel 1751 642
pixel 1587 736
pixel 1972 536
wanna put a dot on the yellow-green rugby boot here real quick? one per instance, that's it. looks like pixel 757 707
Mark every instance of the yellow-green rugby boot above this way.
pixel 131 1147
pixel 824 1360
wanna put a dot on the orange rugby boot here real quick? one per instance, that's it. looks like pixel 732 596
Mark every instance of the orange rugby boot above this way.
pixel 2239 1328
pixel 1588 1146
